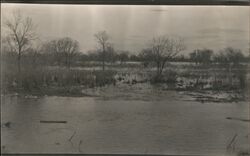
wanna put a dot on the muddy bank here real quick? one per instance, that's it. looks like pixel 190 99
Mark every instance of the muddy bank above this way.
pixel 73 91
pixel 204 83
pixel 144 91
pixel 217 96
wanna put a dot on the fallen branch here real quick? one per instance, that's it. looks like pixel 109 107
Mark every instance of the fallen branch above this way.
pixel 44 121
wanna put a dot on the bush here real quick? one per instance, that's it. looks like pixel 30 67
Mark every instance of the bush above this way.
pixel 168 76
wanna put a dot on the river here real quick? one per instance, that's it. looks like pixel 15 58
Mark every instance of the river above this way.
pixel 127 122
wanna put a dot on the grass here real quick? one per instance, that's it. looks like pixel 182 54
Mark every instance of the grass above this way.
pixel 46 80
pixel 200 78
pixel 63 81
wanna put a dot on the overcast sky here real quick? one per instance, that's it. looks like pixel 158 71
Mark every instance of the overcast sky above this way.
pixel 130 27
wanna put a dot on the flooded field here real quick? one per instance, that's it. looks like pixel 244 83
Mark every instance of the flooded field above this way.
pixel 126 119
pixel 110 79
pixel 191 111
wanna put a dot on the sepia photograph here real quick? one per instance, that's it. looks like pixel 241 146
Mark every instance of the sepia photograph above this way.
pixel 125 79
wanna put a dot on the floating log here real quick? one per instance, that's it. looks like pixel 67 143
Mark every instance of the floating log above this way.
pixel 50 121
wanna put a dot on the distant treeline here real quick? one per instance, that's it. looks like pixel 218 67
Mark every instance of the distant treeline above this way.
pixel 27 62
pixel 18 47
pixel 46 56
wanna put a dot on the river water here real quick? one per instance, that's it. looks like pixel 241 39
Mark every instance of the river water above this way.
pixel 147 122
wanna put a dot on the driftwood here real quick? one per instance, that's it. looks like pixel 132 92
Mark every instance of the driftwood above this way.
pixel 51 121
pixel 239 119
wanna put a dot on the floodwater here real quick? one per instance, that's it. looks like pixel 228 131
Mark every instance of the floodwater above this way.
pixel 124 120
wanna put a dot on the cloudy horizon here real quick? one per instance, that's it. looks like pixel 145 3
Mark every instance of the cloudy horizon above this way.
pixel 131 27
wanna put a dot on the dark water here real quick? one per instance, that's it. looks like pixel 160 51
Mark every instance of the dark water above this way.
pixel 167 124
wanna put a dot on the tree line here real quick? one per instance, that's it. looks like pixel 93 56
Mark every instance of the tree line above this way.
pixel 66 52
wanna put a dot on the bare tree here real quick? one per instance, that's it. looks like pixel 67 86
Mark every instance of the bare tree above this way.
pixel 110 54
pixel 102 39
pixel 163 48
pixel 51 51
pixel 70 49
pixel 123 56
pixel 20 34
pixel 145 56
pixel 248 57
pixel 203 56
pixel 229 55
pixel 64 48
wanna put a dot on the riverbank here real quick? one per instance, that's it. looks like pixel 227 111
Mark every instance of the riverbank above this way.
pixel 75 82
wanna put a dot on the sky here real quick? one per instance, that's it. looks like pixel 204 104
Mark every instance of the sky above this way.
pixel 131 27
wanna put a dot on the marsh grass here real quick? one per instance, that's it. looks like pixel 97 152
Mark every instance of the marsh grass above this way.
pixel 56 80
pixel 200 77
pixel 61 81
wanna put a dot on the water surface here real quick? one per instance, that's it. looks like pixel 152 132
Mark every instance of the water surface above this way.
pixel 128 122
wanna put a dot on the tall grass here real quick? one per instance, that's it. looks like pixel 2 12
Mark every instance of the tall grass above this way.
pixel 201 78
pixel 52 80
pixel 41 79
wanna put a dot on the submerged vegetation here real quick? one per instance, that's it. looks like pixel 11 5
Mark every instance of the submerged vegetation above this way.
pixel 161 98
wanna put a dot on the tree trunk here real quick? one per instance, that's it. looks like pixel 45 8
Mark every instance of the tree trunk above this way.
pixel 103 63
pixel 19 62
pixel 161 67
pixel 66 60
pixel 230 75
pixel 69 62
pixel 158 68
pixel 19 81
pixel 103 57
